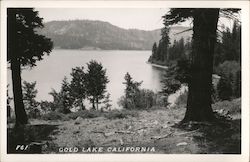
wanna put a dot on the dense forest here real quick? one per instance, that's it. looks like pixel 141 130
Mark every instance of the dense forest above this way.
pixel 88 34
pixel 226 64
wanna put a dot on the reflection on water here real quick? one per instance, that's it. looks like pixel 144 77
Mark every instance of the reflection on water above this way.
pixel 49 72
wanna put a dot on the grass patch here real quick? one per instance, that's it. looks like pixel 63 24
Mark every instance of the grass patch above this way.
pixel 54 116
pixel 84 114
pixel 119 114
pixel 28 134
pixel 114 114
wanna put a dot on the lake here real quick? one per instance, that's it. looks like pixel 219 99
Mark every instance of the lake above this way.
pixel 50 72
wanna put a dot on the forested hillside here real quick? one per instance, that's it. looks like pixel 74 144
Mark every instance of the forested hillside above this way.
pixel 87 34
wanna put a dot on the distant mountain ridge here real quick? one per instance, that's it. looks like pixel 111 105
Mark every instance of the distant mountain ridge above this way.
pixel 94 35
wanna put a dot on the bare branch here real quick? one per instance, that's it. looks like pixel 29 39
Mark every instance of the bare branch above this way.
pixel 183 31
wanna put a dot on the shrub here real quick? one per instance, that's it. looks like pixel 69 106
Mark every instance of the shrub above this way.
pixel 141 99
pixel 161 100
pixel 146 99
pixel 182 99
pixel 46 107
pixel 84 114
pixel 54 116
pixel 135 97
pixel 113 114
pixel 119 114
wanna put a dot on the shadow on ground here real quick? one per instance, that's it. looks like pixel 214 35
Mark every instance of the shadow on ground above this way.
pixel 30 138
pixel 220 137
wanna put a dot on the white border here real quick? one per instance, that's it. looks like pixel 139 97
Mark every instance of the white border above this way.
pixel 244 5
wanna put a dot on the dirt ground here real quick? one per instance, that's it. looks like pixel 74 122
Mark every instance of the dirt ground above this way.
pixel 154 131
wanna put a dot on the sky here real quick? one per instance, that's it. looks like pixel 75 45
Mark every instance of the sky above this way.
pixel 127 18
pixel 136 18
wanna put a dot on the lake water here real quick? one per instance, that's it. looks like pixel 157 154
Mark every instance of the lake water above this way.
pixel 51 70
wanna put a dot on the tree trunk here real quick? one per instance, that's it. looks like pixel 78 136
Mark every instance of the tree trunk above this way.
pixel 82 105
pixel 93 103
pixel 21 116
pixel 200 85
pixel 97 103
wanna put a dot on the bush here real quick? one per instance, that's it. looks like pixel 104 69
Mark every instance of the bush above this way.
pixel 141 99
pixel 54 116
pixel 34 113
pixel 182 99
pixel 145 99
pixel 119 114
pixel 113 114
pixel 161 101
pixel 84 114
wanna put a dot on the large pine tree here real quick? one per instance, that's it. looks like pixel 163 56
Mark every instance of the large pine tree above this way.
pixel 25 47
pixel 204 38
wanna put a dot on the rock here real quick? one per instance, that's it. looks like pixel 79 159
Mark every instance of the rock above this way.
pixel 76 123
pixel 140 132
pixel 109 134
pixel 165 126
pixel 78 120
pixel 155 122
pixel 182 144
pixel 75 132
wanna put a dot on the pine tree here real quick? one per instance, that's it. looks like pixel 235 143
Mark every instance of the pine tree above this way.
pixel 201 68
pixel 106 102
pixel 177 50
pixel 231 44
pixel 62 100
pixel 224 88
pixel 65 93
pixel 154 52
pixel 25 47
pixel 95 82
pixel 160 53
pixel 77 86
pixel 165 41
pixel 170 84
pixel 29 95
pixel 131 92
